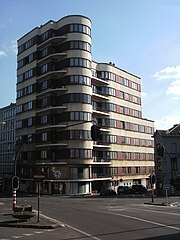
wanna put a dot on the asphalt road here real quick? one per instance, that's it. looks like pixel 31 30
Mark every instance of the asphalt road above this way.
pixel 102 219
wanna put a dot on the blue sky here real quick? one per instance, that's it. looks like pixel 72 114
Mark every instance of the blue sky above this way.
pixel 139 36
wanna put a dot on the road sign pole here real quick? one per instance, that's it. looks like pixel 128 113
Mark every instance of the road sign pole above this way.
pixel 38 199
pixel 152 192
pixel 166 195
pixel 39 177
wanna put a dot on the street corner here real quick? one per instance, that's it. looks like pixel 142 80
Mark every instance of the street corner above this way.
pixel 6 220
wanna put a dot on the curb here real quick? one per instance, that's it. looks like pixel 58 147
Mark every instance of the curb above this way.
pixel 157 204
pixel 20 225
pixel 16 224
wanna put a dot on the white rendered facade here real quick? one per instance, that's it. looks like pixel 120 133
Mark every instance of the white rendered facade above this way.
pixel 59 85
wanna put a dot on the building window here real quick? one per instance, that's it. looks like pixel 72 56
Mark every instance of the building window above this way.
pixel 86 116
pixel 136 156
pixel 44 136
pixel 20 78
pixel 135 99
pixel 137 169
pixel 122 140
pixel 128 126
pixel 122 110
pixel 127 111
pixel 135 113
pixel 27 106
pixel 80 45
pixel 80 28
pixel 149 130
pixel 78 79
pixel 126 82
pixel 19 124
pixel 123 170
pixel 44 52
pixel 173 148
pixel 29 122
pixel 128 140
pixel 129 170
pixel 136 141
pixel 136 127
pixel 174 164
pixel 43 154
pixel 45 36
pixel 122 80
pixel 150 156
pixel 134 85
pixel 121 95
pixel 80 153
pixel 44 119
pixel 126 155
pixel 28 74
pixel 126 96
pixel 143 142
pixel 80 62
pixel 44 68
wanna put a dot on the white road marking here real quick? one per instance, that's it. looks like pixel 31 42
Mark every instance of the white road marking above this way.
pixel 28 234
pixel 144 220
pixel 17 237
pixel 146 210
pixel 76 229
pixel 38 232
pixel 160 212
pixel 84 233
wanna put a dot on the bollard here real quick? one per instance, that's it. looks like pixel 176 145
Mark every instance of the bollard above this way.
pixel 14 199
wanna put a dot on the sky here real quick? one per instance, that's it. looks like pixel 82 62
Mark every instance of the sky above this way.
pixel 139 36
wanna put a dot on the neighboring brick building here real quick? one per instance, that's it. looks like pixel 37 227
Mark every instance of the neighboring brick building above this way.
pixel 7 142
pixel 167 168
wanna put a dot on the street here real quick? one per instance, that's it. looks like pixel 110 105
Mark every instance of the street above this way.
pixel 100 219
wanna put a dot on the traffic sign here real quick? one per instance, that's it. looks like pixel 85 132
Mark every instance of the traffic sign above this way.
pixel 166 187
pixel 39 176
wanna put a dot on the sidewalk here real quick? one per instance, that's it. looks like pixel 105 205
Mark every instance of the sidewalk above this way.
pixel 170 201
pixel 7 220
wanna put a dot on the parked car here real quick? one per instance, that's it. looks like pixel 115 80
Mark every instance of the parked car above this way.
pixel 138 188
pixel 124 190
pixel 108 192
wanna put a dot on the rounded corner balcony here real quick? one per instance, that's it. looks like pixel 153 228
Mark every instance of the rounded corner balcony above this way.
pixel 54 39
pixel 51 108
pixel 99 96
pixel 99 81
pixel 53 56
pixel 54 73
pixel 50 144
pixel 51 90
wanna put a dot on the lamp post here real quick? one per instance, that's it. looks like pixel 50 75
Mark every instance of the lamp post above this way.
pixel 15 172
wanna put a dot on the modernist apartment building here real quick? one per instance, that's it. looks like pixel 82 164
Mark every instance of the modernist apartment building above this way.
pixel 61 91
pixel 7 142
pixel 167 167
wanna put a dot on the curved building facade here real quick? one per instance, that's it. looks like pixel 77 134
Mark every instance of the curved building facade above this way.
pixel 60 92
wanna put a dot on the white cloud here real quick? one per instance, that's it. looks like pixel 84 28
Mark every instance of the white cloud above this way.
pixel 168 73
pixel 3 54
pixel 13 46
pixel 166 122
pixel 143 94
pixel 174 88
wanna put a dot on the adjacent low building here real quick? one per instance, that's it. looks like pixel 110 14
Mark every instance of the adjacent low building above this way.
pixel 7 143
pixel 61 91
pixel 167 166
